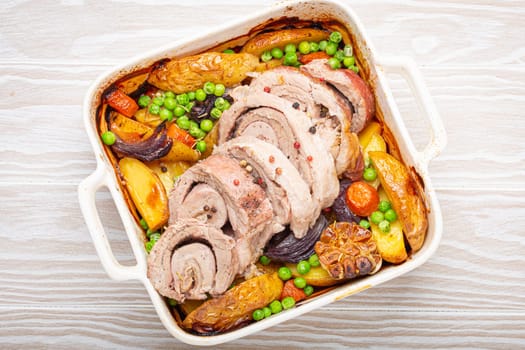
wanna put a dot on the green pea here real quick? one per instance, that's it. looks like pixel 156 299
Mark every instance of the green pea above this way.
pixel 303 267
pixel 149 232
pixel 169 94
pixel 154 237
pixel 377 217
pixel 219 90
pixel 215 113
pixel 206 125
pixel 384 206
pixel 266 56
pixel 334 63
pixel 159 101
pixel 349 61
pixel 154 109
pixel 308 290
pixel 196 132
pixel 355 69
pixel 314 260
pixel 191 95
pixel 314 47
pixel 143 224
pixel 227 105
pixel 384 226
pixel 183 122
pixel 144 100
pixel 322 45
pixel 285 273
pixel 149 245
pixel 228 51
pixel 288 303
pixel 276 307
pixel 390 215
pixel 267 312
pixel 201 146
pixel 264 260
pixel 331 48
pixel 172 302
pixel 348 50
pixel 209 88
pixel 200 95
pixel 304 47
pixel 290 59
pixel 170 103
pixel 369 174
pixel 290 48
pixel 335 37
pixel 109 138
pixel 339 54
pixel 183 99
pixel 299 282
pixel 179 111
pixel 364 224
pixel 166 114
pixel 277 53
pixel 220 103
pixel 258 315
pixel 194 124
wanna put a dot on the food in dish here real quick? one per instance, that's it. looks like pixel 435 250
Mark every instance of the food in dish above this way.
pixel 259 174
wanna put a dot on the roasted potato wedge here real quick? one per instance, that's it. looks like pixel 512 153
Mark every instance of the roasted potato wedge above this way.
pixel 317 276
pixel 403 193
pixel 145 117
pixel 391 245
pixel 180 152
pixel 280 38
pixel 236 305
pixel 169 171
pixel 190 73
pixel 128 129
pixel 146 191
pixel 366 135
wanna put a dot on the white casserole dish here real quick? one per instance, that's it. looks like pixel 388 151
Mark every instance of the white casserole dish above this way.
pixel 105 176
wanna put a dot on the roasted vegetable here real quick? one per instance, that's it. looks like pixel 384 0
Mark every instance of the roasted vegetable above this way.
pixel 305 59
pixel 121 102
pixel 290 290
pixel 362 198
pixel 185 74
pixel 285 247
pixel 347 250
pixel 169 171
pixel 146 191
pixel 366 134
pixel 391 245
pixel 317 276
pixel 280 38
pixel 236 306
pixel 404 195
pixel 156 146
pixel 145 117
pixel 128 129
pixel 340 211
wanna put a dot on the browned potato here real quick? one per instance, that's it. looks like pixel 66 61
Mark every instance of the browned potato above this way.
pixel 236 305
pixel 280 38
pixel 391 245
pixel 180 152
pixel 146 191
pixel 190 73
pixel 128 129
pixel 168 171
pixel 317 276
pixel 405 198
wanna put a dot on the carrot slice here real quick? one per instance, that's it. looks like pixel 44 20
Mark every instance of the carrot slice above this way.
pixel 178 134
pixel 122 103
pixel 305 59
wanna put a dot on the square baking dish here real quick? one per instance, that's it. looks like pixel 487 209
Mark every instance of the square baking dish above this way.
pixel 374 70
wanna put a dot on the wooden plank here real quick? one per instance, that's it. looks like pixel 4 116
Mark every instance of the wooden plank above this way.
pixel 455 32
pixel 85 328
pixel 479 265
pixel 55 148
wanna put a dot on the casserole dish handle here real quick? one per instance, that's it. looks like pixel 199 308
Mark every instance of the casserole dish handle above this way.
pixel 406 67
pixel 86 193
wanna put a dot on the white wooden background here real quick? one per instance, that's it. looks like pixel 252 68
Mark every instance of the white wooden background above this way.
pixel 471 294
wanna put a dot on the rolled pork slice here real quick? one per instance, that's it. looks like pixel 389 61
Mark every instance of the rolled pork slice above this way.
pixel 286 189
pixel 273 119
pixel 192 259
pixel 351 86
pixel 330 114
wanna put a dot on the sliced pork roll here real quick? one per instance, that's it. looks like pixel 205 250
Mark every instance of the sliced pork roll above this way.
pixel 331 115
pixel 274 120
pixel 218 190
pixel 191 259
pixel 351 86
pixel 286 189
